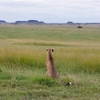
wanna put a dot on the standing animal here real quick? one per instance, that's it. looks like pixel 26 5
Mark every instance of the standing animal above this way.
pixel 50 66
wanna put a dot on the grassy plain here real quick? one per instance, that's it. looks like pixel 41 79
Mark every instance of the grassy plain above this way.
pixel 23 56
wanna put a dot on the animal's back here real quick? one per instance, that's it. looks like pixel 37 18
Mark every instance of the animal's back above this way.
pixel 51 69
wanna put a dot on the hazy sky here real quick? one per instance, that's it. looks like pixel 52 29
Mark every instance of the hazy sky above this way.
pixel 50 11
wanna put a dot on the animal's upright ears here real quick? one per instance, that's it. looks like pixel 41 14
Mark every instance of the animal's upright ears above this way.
pixel 52 50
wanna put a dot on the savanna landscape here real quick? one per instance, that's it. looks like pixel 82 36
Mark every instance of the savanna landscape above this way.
pixel 23 62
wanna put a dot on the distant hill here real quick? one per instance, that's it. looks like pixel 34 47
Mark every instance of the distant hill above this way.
pixel 29 22
pixel 2 21
pixel 70 22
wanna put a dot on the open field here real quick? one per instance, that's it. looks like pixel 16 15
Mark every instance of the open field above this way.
pixel 23 56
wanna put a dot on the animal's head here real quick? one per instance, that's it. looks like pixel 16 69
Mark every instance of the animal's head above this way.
pixel 49 50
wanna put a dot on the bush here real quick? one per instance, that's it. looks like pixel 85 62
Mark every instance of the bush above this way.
pixel 79 27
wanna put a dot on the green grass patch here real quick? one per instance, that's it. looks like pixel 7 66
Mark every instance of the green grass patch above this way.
pixel 0 70
pixel 5 76
pixel 48 33
pixel 45 81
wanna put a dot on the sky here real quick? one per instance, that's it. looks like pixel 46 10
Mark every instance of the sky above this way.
pixel 50 11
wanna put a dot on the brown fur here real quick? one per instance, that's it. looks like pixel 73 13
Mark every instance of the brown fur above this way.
pixel 51 69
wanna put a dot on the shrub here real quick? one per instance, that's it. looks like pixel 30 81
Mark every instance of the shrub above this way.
pixel 79 27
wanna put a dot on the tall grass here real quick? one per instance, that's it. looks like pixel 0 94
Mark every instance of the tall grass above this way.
pixel 77 59
pixel 21 57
